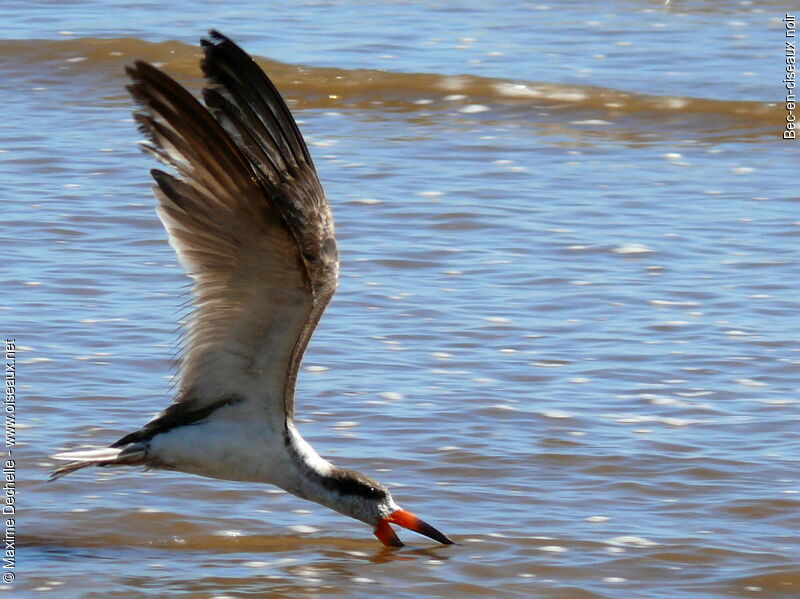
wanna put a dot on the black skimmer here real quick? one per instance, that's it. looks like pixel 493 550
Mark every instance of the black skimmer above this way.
pixel 246 215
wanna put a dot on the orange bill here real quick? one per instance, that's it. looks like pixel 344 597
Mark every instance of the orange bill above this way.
pixel 407 520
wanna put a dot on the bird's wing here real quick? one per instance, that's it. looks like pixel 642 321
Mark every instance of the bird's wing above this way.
pixel 247 216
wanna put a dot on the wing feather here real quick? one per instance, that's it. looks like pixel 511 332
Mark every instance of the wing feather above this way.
pixel 247 217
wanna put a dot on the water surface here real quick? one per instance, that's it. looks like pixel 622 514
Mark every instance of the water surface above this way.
pixel 566 329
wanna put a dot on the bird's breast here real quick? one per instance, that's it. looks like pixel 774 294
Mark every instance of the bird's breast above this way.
pixel 225 449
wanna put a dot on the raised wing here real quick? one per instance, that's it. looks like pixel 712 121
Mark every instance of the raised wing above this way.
pixel 247 216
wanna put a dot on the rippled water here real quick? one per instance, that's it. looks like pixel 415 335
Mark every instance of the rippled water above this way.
pixel 566 330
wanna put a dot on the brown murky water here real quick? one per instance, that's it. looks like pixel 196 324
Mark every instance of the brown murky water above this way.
pixel 566 330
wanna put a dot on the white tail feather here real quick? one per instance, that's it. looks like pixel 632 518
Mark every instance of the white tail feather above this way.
pixel 89 455
pixel 130 455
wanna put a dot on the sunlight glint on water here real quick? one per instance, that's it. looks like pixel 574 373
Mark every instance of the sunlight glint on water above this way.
pixel 566 328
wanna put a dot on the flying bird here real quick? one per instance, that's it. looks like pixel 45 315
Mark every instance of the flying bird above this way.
pixel 244 211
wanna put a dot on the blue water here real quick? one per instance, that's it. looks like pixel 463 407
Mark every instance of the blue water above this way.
pixel 706 49
pixel 565 334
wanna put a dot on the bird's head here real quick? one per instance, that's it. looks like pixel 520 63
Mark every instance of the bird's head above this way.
pixel 365 499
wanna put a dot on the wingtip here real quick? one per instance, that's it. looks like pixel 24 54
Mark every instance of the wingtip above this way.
pixel 214 38
pixel 138 65
pixel 131 70
pixel 140 72
pixel 217 45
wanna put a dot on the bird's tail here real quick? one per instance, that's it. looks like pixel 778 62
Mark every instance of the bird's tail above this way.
pixel 129 455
